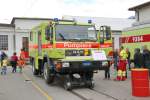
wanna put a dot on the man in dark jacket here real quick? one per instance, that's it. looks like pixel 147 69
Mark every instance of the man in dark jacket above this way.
pixel 116 58
pixel 146 57
pixel 138 59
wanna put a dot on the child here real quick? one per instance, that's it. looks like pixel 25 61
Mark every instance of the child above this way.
pixel 21 64
pixel 4 66
pixel 14 60
pixel 107 70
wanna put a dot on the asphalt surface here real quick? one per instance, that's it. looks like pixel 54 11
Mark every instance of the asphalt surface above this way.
pixel 25 86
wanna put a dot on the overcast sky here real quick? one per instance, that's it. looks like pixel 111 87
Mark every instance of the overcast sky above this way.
pixel 58 8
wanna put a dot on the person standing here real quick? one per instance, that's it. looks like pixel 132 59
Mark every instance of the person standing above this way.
pixel 21 61
pixel 128 59
pixel 20 65
pixel 22 54
pixel 2 57
pixel 115 58
pixel 146 57
pixel 4 66
pixel 14 60
pixel 138 58
pixel 121 72
pixel 107 69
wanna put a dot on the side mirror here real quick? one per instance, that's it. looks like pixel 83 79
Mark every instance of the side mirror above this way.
pixel 49 33
pixel 105 34
pixel 108 33
pixel 31 36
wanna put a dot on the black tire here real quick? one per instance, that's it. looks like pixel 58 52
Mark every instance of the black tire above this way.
pixel 34 70
pixel 48 76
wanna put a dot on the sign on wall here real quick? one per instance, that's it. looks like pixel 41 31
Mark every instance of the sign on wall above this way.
pixel 135 39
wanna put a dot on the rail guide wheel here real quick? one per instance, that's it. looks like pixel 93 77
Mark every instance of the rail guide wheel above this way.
pixel 67 86
pixel 90 84
pixel 68 83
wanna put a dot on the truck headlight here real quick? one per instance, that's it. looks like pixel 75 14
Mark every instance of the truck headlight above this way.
pixel 65 64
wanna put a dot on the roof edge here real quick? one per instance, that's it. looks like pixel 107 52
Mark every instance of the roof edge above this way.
pixel 7 25
pixel 139 6
pixel 32 18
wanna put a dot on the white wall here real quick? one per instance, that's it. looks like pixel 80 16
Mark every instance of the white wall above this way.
pixel 27 24
pixel 18 41
pixel 144 14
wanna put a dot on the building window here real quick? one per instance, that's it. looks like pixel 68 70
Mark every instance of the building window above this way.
pixel 3 42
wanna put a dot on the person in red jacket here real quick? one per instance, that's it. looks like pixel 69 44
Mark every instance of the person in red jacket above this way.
pixel 14 60
pixel 22 54
pixel 21 60
pixel 121 72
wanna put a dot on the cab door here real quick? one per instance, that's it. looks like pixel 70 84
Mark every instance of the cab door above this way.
pixel 39 44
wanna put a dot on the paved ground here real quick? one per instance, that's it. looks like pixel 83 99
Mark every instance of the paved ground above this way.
pixel 25 86
pixel 121 90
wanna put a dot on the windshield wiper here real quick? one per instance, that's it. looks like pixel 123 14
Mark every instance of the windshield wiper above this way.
pixel 62 37
pixel 81 40
pixel 92 40
pixel 73 40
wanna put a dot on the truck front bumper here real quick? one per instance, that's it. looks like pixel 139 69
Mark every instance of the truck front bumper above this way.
pixel 81 66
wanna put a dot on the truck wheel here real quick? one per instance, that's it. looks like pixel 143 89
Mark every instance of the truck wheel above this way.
pixel 34 70
pixel 48 76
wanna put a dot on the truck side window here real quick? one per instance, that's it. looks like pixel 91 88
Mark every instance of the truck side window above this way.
pixel 48 33
pixel 51 33
pixel 31 36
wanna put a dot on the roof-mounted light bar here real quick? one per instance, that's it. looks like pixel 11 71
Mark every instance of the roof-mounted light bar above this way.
pixel 90 21
pixel 56 19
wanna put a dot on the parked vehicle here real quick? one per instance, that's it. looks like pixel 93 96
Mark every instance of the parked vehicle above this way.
pixel 66 49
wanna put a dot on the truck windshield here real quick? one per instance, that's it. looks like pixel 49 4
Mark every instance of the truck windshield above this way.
pixel 75 33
